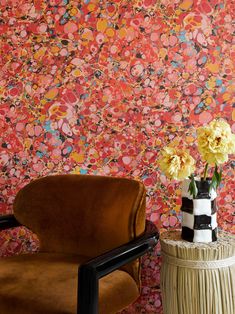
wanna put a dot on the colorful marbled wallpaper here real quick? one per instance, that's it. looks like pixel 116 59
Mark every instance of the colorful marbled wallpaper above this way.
pixel 99 87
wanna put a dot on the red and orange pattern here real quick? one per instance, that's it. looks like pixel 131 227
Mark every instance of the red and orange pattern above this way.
pixel 99 87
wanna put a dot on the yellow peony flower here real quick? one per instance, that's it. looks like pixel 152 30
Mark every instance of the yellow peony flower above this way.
pixel 175 163
pixel 216 141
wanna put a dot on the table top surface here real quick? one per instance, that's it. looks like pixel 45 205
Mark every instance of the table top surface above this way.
pixel 171 243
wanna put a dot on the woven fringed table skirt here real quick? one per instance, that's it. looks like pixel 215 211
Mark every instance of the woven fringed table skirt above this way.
pixel 198 278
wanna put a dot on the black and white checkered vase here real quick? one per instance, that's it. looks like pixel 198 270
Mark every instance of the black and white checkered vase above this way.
pixel 199 223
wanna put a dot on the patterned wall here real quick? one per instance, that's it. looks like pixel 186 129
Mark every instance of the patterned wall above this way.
pixel 99 87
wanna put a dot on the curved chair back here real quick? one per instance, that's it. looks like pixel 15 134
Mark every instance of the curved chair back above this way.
pixel 82 213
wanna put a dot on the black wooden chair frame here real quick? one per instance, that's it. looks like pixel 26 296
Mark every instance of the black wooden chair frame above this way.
pixel 90 272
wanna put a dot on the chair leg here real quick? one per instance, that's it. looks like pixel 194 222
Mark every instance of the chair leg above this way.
pixel 88 286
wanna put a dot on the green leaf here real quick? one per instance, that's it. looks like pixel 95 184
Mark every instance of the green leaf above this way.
pixel 205 172
pixel 216 174
pixel 192 189
pixel 213 185
pixel 216 179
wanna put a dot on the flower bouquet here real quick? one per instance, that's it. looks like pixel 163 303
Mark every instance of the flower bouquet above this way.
pixel 215 143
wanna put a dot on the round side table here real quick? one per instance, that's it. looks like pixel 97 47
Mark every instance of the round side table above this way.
pixel 198 278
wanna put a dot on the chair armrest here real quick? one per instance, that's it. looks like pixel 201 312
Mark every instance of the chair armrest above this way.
pixel 91 271
pixel 8 221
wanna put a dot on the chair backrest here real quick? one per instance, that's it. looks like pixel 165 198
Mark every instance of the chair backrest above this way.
pixel 82 214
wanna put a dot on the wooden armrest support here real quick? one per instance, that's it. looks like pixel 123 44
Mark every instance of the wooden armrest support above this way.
pixel 8 221
pixel 91 271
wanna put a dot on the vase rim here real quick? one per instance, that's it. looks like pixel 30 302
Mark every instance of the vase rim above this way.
pixel 201 179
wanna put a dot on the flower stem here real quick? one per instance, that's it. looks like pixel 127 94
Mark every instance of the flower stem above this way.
pixel 205 172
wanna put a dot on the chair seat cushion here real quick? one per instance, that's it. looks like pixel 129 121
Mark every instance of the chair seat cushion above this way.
pixel 46 283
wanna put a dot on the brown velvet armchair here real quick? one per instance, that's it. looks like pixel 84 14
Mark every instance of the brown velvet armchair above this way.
pixel 92 232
